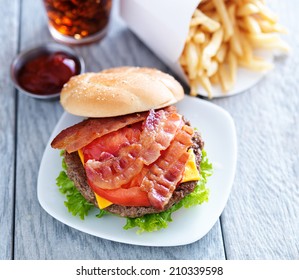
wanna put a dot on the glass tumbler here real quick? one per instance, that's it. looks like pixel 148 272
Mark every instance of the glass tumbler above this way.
pixel 78 21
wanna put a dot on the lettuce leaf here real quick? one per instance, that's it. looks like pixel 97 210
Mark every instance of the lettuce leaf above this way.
pixel 75 202
pixel 77 205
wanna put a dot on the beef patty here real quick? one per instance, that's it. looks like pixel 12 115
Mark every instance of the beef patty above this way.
pixel 76 173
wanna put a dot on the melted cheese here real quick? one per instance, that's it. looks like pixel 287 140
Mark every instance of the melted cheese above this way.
pixel 190 174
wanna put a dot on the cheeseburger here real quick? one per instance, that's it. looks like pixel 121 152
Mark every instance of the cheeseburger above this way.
pixel 134 154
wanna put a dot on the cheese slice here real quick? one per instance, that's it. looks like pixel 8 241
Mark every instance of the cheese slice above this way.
pixel 190 174
pixel 81 156
pixel 102 202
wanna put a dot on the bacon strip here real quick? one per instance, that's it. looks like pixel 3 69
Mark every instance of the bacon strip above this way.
pixel 79 135
pixel 164 175
pixel 160 128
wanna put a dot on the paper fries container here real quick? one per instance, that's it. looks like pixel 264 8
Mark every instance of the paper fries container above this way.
pixel 163 26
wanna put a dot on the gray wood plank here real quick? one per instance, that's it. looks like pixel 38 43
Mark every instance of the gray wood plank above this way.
pixel 9 19
pixel 38 235
pixel 36 120
pixel 261 220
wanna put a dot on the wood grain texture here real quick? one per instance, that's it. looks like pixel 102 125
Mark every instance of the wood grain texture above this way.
pixel 8 36
pixel 37 234
pixel 36 120
pixel 261 220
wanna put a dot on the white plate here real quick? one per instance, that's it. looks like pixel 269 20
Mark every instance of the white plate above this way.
pixel 189 225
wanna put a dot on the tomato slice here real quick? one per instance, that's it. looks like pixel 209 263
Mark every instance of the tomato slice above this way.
pixel 109 144
pixel 133 196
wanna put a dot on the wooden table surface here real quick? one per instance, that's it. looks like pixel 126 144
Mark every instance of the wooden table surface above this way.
pixel 261 218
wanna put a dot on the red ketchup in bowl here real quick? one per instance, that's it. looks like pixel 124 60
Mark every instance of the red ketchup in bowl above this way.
pixel 47 73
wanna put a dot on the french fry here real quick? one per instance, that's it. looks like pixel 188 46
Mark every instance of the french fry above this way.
pixel 232 65
pixel 227 24
pixel 200 68
pixel 267 26
pixel 256 64
pixel 212 48
pixel 207 6
pixel 220 56
pixel 191 59
pixel 183 61
pixel 247 9
pixel 196 21
pixel 246 47
pixel 223 77
pixel 199 37
pixel 208 23
pixel 212 68
pixel 191 33
pixel 214 16
pixel 267 41
pixel 204 60
pixel 278 45
pixel 265 12
pixel 206 84
pixel 193 87
pixel 215 79
pixel 252 25
pixel 224 35
pixel 232 13
pixel 235 42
